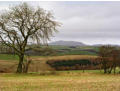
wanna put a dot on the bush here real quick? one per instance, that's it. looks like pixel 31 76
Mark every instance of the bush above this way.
pixel 71 64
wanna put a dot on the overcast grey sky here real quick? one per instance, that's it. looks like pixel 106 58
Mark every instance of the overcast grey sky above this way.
pixel 87 22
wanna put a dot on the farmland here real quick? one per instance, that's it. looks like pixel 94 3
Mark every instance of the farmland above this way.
pixel 84 56
pixel 71 50
pixel 63 81
pixel 41 77
pixel 78 50
pixel 9 62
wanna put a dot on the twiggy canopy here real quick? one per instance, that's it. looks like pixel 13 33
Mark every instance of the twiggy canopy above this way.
pixel 22 24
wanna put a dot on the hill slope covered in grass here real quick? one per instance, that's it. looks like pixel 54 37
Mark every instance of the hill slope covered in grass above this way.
pixel 67 43
pixel 78 50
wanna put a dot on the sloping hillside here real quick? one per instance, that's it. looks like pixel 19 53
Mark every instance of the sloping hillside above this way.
pixel 67 43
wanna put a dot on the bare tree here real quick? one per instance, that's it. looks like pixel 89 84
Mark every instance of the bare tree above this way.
pixel 105 55
pixel 22 24
pixel 115 57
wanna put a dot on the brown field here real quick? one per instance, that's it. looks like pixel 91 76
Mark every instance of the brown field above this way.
pixel 39 63
pixel 72 81
pixel 66 57
pixel 56 81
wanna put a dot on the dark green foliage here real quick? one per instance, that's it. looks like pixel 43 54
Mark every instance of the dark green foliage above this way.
pixel 72 64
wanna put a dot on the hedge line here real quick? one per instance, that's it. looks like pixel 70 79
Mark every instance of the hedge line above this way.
pixel 72 64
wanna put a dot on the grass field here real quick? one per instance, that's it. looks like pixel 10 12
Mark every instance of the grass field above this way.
pixel 9 62
pixel 62 81
pixel 43 80
pixel 8 57
pixel 78 50
pixel 15 57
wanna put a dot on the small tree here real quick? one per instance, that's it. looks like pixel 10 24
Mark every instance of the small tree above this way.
pixel 115 57
pixel 104 56
pixel 22 24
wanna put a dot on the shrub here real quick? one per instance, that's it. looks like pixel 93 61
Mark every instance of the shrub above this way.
pixel 71 64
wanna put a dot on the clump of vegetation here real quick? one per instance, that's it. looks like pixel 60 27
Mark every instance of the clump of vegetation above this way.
pixel 109 58
pixel 73 64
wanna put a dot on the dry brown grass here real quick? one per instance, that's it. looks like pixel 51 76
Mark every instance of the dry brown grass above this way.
pixel 8 65
pixel 62 82
pixel 39 63
pixel 66 57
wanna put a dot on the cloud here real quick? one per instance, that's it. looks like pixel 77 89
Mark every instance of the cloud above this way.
pixel 89 22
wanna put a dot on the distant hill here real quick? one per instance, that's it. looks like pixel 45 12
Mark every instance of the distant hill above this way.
pixel 67 43
pixel 75 43
pixel 98 45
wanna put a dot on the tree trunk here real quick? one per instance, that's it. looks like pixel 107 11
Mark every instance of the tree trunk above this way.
pixel 26 66
pixel 20 68
pixel 114 69
pixel 105 68
pixel 110 70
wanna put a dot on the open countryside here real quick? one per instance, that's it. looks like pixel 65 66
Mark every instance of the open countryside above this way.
pixel 29 61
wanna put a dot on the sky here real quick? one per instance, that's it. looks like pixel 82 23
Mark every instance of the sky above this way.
pixel 88 22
